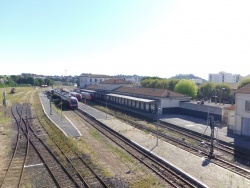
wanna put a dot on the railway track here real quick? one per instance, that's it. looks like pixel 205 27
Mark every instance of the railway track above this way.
pixel 14 172
pixel 62 176
pixel 221 146
pixel 170 174
pixel 89 173
pixel 199 148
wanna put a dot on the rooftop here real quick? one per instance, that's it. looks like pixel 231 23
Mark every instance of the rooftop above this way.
pixel 244 90
pixel 148 92
pixel 115 81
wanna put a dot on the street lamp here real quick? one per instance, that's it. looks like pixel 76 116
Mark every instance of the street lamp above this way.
pixel 221 93
pixel 157 134
pixel 50 105
pixel 61 109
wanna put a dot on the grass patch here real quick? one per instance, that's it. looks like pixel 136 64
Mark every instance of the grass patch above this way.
pixel 4 120
pixel 95 134
pixel 147 181
pixel 125 158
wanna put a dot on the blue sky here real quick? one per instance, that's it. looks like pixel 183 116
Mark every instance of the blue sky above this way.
pixel 154 38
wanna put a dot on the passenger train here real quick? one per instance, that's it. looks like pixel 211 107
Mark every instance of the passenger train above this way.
pixel 86 95
pixel 68 100
pixel 76 95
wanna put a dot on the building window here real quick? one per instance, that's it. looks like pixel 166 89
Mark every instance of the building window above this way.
pixel 247 106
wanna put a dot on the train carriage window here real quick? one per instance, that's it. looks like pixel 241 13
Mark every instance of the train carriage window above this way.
pixel 74 101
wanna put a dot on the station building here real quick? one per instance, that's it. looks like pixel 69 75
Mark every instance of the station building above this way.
pixel 241 125
pixel 89 79
pixel 151 101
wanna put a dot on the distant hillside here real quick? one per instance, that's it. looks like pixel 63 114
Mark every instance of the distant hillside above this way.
pixel 188 77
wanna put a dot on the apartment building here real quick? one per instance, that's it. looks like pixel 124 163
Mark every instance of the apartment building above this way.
pixel 89 79
pixel 223 77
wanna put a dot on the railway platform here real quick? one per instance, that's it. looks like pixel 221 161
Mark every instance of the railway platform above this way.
pixel 207 173
pixel 196 125
pixel 200 126
pixel 60 120
pixel 193 124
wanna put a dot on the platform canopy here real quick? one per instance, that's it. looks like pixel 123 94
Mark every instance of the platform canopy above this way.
pixel 131 98
pixel 87 90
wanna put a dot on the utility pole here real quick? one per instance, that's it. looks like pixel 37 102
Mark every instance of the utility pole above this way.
pixel 211 124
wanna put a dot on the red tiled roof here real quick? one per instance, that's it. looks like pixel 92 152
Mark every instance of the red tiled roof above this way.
pixel 148 92
pixel 244 90
pixel 115 81
pixel 231 107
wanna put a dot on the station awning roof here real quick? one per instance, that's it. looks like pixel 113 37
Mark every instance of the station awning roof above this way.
pixel 87 90
pixel 131 98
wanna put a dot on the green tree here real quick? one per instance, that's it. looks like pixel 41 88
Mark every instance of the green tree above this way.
pixel 223 92
pixel 186 87
pixel 206 90
pixel 172 83
pixel 10 82
pixel 48 82
pixel 30 80
pixel 15 78
pixel 39 82
pixel 243 82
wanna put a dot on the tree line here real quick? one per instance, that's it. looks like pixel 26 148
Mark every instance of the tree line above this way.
pixel 16 80
pixel 207 91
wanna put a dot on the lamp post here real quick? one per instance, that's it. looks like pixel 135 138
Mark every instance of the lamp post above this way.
pixel 215 96
pixel 157 134
pixel 221 93
pixel 223 89
pixel 50 106
pixel 61 109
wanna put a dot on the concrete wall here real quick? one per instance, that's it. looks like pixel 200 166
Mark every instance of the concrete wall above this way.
pixel 194 110
pixel 169 103
pixel 231 120
pixel 201 108
pixel 240 100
